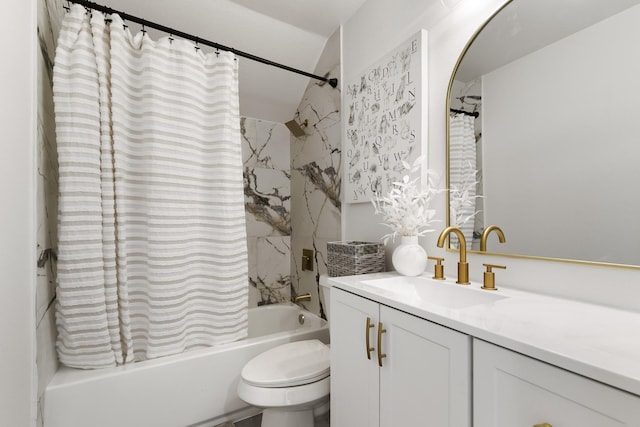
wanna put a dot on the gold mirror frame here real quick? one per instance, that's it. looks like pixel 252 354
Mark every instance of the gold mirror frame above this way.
pixel 447 127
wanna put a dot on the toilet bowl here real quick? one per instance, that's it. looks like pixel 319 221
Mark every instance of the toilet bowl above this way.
pixel 290 382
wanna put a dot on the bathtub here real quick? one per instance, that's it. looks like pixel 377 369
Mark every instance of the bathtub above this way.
pixel 197 388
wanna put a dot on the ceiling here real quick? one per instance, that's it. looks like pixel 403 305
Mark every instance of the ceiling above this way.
pixel 290 32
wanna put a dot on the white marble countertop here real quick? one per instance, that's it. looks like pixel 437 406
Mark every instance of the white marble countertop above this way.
pixel 595 341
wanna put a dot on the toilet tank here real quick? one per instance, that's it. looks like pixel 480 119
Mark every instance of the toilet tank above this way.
pixel 325 294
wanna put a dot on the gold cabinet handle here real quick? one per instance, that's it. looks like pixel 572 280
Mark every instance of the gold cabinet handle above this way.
pixel 543 425
pixel 367 344
pixel 381 355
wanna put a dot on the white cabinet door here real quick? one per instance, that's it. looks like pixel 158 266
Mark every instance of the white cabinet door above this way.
pixel 425 380
pixel 425 377
pixel 512 390
pixel 354 377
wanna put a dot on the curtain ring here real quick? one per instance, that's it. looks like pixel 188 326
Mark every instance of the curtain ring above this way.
pixel 196 46
pixel 170 38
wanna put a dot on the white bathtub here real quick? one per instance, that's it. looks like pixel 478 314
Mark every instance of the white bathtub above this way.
pixel 197 388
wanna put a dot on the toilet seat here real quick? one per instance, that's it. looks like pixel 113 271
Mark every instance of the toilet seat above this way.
pixel 288 365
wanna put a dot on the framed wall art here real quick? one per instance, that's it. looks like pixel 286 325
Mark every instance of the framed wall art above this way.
pixel 385 121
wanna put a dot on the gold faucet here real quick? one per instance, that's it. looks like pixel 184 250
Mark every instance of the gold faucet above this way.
pixel 485 234
pixel 303 297
pixel 463 267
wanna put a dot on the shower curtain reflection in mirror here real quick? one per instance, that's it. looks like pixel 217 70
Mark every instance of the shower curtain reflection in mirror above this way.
pixel 463 177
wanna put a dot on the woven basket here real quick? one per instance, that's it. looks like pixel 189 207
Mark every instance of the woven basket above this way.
pixel 349 258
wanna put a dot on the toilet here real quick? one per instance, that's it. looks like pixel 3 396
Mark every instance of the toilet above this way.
pixel 290 382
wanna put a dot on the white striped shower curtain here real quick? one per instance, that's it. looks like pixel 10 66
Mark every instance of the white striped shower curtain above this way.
pixel 462 175
pixel 152 238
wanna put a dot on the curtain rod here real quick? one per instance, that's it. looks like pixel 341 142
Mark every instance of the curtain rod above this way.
pixel 171 31
pixel 467 113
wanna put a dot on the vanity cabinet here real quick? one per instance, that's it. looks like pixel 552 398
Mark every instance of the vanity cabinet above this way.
pixel 510 389
pixel 389 368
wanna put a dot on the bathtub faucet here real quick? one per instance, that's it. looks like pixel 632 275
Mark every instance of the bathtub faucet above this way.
pixel 303 297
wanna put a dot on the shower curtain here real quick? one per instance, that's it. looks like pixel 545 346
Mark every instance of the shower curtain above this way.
pixel 152 238
pixel 462 175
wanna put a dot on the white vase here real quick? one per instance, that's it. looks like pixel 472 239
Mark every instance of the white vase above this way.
pixel 409 258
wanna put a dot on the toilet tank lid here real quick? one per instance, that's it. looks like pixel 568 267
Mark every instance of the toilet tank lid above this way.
pixel 288 365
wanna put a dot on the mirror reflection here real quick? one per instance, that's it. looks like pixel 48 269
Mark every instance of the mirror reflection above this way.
pixel 542 137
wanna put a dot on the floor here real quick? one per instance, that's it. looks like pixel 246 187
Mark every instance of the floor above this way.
pixel 250 422
pixel 322 421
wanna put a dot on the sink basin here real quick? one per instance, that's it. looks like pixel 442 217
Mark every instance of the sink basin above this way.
pixel 428 291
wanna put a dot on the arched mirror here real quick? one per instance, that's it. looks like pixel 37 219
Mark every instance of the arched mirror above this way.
pixel 542 137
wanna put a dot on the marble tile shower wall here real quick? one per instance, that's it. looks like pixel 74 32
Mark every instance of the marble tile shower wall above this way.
pixel 267 192
pixel 315 182
pixel 50 13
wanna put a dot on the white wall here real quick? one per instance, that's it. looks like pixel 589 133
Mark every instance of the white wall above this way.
pixel 17 216
pixel 377 28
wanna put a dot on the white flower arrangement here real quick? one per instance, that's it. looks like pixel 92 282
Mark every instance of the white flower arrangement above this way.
pixel 406 208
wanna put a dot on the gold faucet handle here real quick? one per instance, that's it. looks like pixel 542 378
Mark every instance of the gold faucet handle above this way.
pixel 489 283
pixel 438 268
